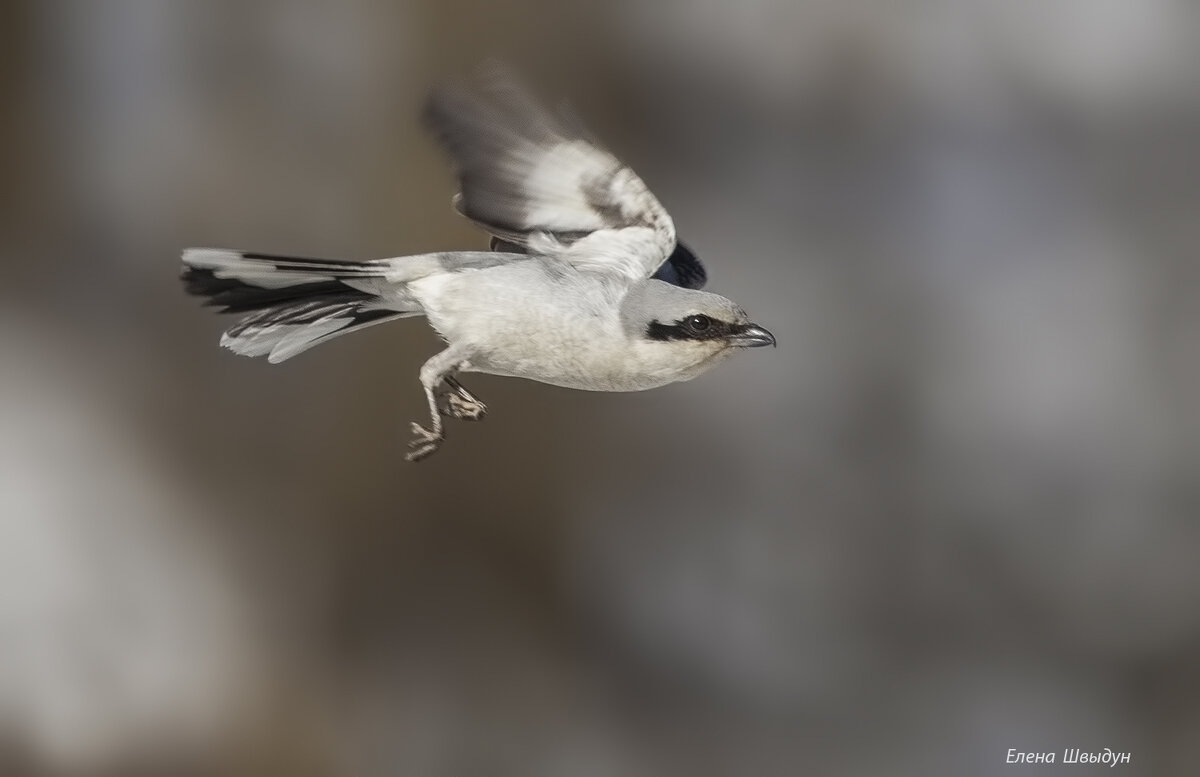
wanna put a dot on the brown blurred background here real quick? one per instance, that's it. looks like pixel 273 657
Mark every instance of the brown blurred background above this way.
pixel 956 512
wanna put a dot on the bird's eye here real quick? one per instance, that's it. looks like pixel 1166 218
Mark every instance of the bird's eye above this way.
pixel 698 324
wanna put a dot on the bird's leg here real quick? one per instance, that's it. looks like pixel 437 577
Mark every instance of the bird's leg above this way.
pixel 460 403
pixel 427 440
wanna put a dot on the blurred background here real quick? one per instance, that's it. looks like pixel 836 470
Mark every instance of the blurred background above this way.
pixel 956 511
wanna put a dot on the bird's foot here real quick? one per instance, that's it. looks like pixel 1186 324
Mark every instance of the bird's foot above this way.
pixel 423 444
pixel 464 407
pixel 462 404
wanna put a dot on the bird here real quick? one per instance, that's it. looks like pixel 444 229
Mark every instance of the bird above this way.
pixel 585 284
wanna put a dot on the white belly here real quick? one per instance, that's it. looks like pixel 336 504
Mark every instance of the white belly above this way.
pixel 566 331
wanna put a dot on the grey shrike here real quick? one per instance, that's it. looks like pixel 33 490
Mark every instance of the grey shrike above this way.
pixel 584 286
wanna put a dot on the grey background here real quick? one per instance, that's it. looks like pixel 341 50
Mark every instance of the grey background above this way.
pixel 955 512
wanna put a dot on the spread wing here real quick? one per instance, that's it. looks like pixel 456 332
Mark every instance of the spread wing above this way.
pixel 534 180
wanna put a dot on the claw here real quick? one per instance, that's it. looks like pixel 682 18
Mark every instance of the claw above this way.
pixel 460 403
pixel 464 408
pixel 423 444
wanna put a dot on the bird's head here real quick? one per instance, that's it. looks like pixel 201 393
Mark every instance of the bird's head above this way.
pixel 686 329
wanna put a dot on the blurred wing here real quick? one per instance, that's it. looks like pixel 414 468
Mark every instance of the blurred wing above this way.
pixel 533 179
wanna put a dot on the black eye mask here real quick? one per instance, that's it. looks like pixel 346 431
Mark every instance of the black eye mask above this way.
pixel 697 327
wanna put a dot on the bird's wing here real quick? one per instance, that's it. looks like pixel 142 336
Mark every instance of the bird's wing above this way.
pixel 682 267
pixel 535 180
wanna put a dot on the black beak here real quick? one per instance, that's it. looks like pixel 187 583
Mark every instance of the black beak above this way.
pixel 751 336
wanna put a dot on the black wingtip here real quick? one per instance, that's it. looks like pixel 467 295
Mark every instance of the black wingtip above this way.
pixel 683 269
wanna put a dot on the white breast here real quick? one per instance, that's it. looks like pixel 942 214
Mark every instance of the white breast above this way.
pixel 561 328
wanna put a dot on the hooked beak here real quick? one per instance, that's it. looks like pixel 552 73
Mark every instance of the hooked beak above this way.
pixel 751 336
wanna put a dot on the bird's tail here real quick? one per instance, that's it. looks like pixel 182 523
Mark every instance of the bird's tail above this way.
pixel 293 303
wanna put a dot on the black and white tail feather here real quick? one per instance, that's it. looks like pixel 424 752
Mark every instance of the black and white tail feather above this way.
pixel 293 303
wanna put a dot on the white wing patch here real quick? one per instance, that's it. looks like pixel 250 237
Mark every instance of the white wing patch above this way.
pixel 557 181
pixel 635 252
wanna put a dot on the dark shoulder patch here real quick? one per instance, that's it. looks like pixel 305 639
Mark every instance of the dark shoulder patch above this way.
pixel 682 269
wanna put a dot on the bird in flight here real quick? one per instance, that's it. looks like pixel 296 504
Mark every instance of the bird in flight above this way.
pixel 585 285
